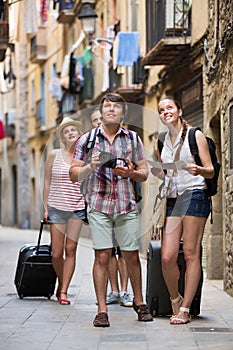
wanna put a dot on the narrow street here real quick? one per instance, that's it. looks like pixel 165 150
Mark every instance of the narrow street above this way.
pixel 41 324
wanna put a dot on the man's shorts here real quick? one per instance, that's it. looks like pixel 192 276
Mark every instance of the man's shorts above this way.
pixel 125 227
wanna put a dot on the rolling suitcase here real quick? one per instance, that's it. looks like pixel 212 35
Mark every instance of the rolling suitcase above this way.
pixel 157 295
pixel 35 276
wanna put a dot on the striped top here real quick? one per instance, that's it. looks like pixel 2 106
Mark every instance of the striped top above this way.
pixel 107 192
pixel 64 194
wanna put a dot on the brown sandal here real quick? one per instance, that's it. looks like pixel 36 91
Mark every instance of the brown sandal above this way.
pixel 143 312
pixel 101 320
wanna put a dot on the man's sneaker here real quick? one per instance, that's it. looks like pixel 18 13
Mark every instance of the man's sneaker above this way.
pixel 126 300
pixel 112 298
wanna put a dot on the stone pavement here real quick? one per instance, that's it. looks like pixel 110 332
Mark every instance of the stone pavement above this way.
pixel 42 324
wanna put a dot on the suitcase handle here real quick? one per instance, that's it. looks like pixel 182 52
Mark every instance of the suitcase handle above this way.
pixel 42 222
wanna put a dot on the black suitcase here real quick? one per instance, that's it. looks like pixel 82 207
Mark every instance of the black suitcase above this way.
pixel 157 295
pixel 35 276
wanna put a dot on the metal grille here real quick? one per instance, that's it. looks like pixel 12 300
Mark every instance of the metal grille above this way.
pixel 231 137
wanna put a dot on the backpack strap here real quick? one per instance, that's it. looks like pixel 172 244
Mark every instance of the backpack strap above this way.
pixel 161 139
pixel 134 140
pixel 194 150
pixel 89 145
pixel 136 184
pixel 193 144
pixel 91 139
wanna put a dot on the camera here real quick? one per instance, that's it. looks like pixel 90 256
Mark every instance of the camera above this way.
pixel 108 160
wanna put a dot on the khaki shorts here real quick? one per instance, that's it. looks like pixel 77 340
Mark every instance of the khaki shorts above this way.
pixel 125 227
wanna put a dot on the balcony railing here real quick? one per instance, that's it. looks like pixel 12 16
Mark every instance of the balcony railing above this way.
pixel 168 30
pixel 178 18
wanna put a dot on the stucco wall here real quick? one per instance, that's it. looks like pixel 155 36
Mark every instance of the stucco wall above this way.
pixel 218 96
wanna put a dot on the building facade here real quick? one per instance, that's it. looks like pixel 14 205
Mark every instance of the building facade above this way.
pixel 188 51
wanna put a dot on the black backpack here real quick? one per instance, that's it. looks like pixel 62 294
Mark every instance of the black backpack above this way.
pixel 212 184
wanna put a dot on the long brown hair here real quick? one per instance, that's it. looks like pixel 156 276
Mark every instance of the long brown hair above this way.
pixel 183 121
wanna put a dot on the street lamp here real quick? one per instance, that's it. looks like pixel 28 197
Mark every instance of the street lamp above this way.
pixel 87 16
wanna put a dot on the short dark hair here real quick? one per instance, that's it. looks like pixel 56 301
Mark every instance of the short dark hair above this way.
pixel 113 97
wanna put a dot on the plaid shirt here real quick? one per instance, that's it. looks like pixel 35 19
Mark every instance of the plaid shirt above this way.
pixel 107 192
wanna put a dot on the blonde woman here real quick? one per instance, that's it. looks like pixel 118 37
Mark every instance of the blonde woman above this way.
pixel 64 206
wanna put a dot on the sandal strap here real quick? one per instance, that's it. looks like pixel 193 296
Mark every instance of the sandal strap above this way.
pixel 177 299
pixel 101 320
pixel 144 313
pixel 184 309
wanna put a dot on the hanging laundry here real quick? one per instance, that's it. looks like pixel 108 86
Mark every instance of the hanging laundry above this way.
pixel 2 130
pixel 87 55
pixel 43 10
pixel 55 87
pixel 69 4
pixel 87 91
pixel 3 86
pixel 1 8
pixel 30 22
pixel 69 103
pixel 55 2
pixel 65 66
pixel 128 48
pixel 75 75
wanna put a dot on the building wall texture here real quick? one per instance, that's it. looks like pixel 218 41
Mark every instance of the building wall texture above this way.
pixel 218 97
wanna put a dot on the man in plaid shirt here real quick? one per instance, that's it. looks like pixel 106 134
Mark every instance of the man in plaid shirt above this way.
pixel 110 171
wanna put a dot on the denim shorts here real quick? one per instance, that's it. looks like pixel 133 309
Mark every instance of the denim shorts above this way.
pixel 189 203
pixel 57 216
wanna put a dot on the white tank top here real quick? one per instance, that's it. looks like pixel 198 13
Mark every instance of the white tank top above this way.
pixel 182 180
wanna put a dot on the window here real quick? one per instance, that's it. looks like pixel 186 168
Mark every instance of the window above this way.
pixel 177 15
pixel 32 94
pixel 42 94
pixel 134 12
pixel 154 32
pixel 54 70
pixel 167 18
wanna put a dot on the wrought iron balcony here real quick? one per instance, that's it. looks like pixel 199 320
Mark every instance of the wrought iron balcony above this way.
pixel 168 31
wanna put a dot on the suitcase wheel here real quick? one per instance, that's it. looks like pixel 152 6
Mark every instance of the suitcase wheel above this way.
pixel 154 307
